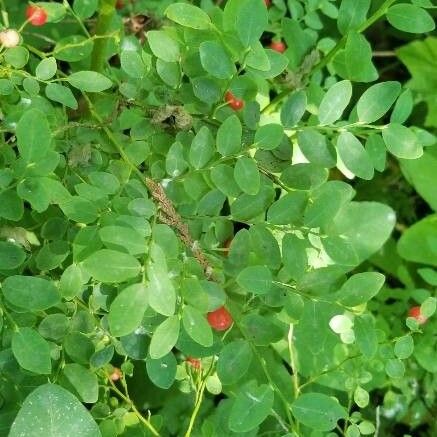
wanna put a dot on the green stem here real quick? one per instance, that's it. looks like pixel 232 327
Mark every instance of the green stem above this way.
pixel 198 402
pixel 106 13
pixel 328 58
pixel 140 417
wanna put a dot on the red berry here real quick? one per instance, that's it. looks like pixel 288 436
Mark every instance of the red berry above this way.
pixel 278 46
pixel 116 374
pixel 416 314
pixel 119 4
pixel 268 3
pixel 194 362
pixel 235 103
pixel 36 15
pixel 220 319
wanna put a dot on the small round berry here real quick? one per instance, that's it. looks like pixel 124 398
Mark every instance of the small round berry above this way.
pixel 416 314
pixel 9 38
pixel 220 319
pixel 278 46
pixel 235 103
pixel 194 362
pixel 116 374
pixel 36 15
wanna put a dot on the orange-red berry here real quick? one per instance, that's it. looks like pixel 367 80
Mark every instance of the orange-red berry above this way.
pixel 235 103
pixel 416 314
pixel 220 319
pixel 278 46
pixel 36 15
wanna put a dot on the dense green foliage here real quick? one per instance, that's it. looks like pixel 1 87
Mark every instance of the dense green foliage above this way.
pixel 160 160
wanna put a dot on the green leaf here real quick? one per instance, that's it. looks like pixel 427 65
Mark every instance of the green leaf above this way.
pixel 361 397
pixel 255 279
pixel 164 338
pixel 188 15
pixel 30 292
pixel 354 156
pixel 222 177
pixel 54 412
pixel 335 102
pixel 206 89
pixel 16 56
pixel 71 282
pixel 351 14
pixel 395 368
pixel 410 18
pixel 163 46
pixel 366 225
pixel 377 151
pixel 360 288
pixel 355 61
pixel 288 209
pixel 304 176
pixel 46 69
pixel 316 149
pixel 246 206
pixel 293 109
pixel 127 310
pixel 62 95
pixel 11 255
pixel 216 60
pixel 73 48
pixel 318 411
pixel 402 142
pixel 377 100
pixel 162 295
pixel 234 361
pixel 54 327
pixel 417 243
pixel 83 381
pixel 202 148
pixel 294 255
pixel 262 330
pixel 404 347
pixel 403 107
pixel 251 21
pixel 11 206
pixel 85 8
pixel 196 326
pixel 326 203
pixel 428 306
pixel 36 192
pixel 229 136
pixel 89 81
pixel 365 335
pixel 123 238
pixel 132 64
pixel 269 136
pixel 31 351
pixel 33 135
pixel 251 407
pixel 246 175
pixel 111 266
pixel 162 372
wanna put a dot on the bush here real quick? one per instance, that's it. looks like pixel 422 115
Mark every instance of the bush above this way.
pixel 216 218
